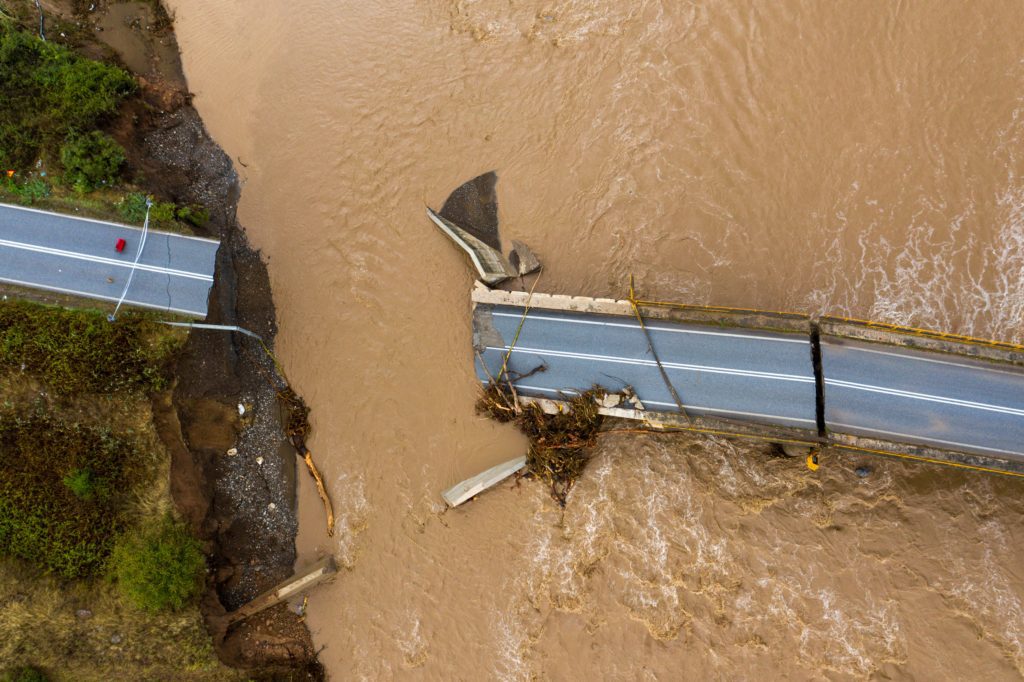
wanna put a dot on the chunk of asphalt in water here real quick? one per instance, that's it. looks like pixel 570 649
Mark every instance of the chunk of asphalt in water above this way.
pixel 473 206
pixel 862 471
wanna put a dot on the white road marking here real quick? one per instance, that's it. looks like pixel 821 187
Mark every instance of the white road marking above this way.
pixel 67 216
pixel 651 363
pixel 908 356
pixel 674 330
pixel 62 253
pixel 33 285
pixel 956 402
pixel 968 446
pixel 675 408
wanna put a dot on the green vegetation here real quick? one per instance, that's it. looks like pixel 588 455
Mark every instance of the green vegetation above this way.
pixel 50 95
pixel 44 520
pixel 24 674
pixel 559 443
pixel 91 160
pixel 80 351
pixel 85 485
pixel 160 567
pixel 133 209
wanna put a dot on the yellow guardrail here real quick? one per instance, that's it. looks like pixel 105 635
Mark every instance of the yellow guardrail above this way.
pixel 926 333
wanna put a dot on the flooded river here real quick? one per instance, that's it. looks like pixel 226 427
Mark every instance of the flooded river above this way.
pixel 853 157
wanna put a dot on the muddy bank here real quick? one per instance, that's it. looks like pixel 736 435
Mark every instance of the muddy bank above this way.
pixel 232 474
pixel 242 503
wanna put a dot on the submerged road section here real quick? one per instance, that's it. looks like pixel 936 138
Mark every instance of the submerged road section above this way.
pixel 78 257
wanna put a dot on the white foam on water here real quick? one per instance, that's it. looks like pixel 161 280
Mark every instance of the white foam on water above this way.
pixel 351 515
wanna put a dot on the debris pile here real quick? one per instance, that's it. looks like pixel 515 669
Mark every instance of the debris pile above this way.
pixel 559 443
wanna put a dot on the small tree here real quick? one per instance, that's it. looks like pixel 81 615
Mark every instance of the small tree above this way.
pixel 91 160
pixel 159 568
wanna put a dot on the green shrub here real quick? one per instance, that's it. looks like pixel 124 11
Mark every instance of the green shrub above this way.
pixel 79 351
pixel 85 485
pixel 133 207
pixel 158 568
pixel 41 519
pixel 91 160
pixel 48 93
pixel 24 674
pixel 195 214
pixel 28 191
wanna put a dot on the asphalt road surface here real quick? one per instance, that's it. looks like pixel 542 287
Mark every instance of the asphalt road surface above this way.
pixel 750 375
pixel 935 399
pixel 77 256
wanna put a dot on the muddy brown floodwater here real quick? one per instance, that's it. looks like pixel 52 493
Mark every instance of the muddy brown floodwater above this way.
pixel 854 157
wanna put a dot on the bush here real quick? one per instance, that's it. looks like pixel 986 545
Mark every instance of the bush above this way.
pixel 48 93
pixel 85 485
pixel 159 568
pixel 41 519
pixel 25 674
pixel 91 160
pixel 133 207
pixel 28 191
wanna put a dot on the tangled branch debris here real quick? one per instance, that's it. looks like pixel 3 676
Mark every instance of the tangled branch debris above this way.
pixel 559 443
pixel 297 428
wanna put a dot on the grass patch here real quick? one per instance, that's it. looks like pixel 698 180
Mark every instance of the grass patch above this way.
pixel 559 443
pixel 159 567
pixel 76 351
pixel 83 631
pixel 24 674
pixel 58 506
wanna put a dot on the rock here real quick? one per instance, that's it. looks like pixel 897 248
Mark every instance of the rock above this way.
pixel 523 259
pixel 83 614
pixel 116 638
pixel 232 452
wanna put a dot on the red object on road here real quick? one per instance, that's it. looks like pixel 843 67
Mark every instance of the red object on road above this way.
pixel 120 245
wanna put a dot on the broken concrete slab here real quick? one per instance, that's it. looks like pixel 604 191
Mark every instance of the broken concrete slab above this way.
pixel 523 259
pixel 473 486
pixel 470 218
pixel 489 262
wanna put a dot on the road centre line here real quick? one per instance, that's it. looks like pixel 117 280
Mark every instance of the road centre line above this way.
pixel 967 446
pixel 133 228
pixel 531 316
pixel 970 404
pixel 61 253
pixel 651 363
pixel 73 292
pixel 695 408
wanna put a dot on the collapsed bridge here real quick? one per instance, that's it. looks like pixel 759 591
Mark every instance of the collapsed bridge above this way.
pixel 799 381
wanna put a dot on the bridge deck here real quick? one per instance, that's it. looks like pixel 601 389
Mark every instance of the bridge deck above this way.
pixel 932 399
pixel 960 401
pixel 764 377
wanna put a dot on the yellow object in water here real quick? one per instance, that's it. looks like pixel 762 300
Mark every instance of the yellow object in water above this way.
pixel 812 461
